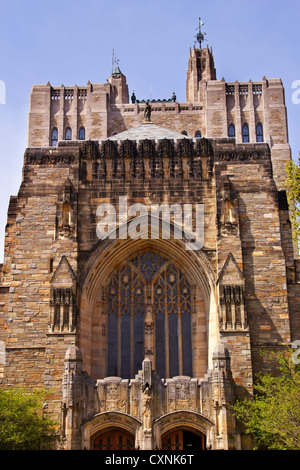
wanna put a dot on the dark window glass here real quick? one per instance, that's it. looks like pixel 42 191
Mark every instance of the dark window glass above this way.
pixel 82 133
pixel 259 133
pixel 231 131
pixel 198 135
pixel 160 344
pixel 186 344
pixel 125 346
pixel 54 137
pixel 173 345
pixel 125 308
pixel 112 346
pixel 245 132
pixel 138 342
pixel 68 135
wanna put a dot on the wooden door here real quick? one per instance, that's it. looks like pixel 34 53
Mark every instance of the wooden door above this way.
pixel 182 439
pixel 173 441
pixel 114 440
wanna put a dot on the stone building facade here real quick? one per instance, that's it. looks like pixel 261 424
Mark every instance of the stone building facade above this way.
pixel 149 259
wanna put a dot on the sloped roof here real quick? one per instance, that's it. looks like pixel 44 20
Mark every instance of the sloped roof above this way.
pixel 149 131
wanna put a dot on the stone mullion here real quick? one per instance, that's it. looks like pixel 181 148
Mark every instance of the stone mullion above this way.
pixel 132 343
pixel 194 328
pixel 119 328
pixel 180 360
pixel 242 311
pixel 233 309
pixel 61 313
pixel 75 114
pixel 61 117
pixel 71 310
pixel 166 328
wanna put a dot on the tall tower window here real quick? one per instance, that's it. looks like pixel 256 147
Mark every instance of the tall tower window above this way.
pixel 68 134
pixel 259 133
pixel 231 131
pixel 82 133
pixel 54 137
pixel 245 133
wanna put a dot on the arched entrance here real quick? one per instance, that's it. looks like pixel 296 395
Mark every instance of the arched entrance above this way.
pixel 184 439
pixel 114 439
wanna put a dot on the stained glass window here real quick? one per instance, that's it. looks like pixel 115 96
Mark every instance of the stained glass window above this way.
pixel 149 279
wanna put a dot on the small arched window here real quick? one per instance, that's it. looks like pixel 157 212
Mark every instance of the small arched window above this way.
pixel 231 131
pixel 259 133
pixel 68 134
pixel 184 133
pixel 82 133
pixel 54 137
pixel 245 133
pixel 198 135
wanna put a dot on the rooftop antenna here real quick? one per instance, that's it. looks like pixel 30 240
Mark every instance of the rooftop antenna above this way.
pixel 200 35
pixel 113 61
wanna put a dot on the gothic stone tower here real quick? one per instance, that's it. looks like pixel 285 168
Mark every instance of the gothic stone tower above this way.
pixel 141 342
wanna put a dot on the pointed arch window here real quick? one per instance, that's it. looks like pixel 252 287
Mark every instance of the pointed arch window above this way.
pixel 148 283
pixel 259 133
pixel 82 133
pixel 198 135
pixel 231 131
pixel 68 134
pixel 245 133
pixel 54 137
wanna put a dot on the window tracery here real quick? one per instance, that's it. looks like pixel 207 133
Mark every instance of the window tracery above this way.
pixel 148 311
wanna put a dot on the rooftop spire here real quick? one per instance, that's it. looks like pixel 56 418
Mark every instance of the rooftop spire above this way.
pixel 115 69
pixel 200 35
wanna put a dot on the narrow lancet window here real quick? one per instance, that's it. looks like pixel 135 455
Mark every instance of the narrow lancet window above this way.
pixel 68 134
pixel 259 133
pixel 54 137
pixel 231 131
pixel 245 133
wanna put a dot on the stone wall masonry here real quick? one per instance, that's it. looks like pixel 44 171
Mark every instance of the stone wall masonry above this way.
pixel 102 114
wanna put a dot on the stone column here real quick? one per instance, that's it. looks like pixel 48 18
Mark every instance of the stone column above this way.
pixel 147 405
pixel 72 398
pixel 223 395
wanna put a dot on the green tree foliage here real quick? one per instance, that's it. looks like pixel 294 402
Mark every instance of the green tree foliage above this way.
pixel 272 418
pixel 293 195
pixel 23 424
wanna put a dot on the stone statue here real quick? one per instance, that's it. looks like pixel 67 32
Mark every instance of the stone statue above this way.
pixel 147 408
pixel 147 112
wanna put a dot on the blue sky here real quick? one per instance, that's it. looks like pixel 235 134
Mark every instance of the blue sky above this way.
pixel 68 42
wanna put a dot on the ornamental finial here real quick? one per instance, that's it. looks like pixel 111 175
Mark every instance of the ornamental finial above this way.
pixel 200 35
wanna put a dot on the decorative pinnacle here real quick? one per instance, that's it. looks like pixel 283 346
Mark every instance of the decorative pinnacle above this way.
pixel 200 35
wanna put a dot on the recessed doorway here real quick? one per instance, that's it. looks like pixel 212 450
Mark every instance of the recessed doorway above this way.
pixel 183 439
pixel 114 440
